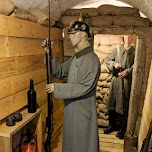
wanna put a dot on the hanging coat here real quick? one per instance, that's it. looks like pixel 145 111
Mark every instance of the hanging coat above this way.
pixel 80 132
pixel 116 93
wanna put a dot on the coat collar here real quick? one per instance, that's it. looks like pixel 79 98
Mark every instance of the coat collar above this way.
pixel 84 51
pixel 129 51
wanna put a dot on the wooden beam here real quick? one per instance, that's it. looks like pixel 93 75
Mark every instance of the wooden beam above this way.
pixel 16 83
pixel 21 28
pixel 18 65
pixel 144 32
pixel 112 30
pixel 137 83
pixel 141 32
pixel 15 46
pixel 18 100
pixel 136 93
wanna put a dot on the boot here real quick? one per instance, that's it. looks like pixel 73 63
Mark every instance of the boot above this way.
pixel 111 127
pixel 121 132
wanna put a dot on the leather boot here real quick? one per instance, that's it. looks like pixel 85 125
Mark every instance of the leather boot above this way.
pixel 122 130
pixel 121 134
pixel 111 127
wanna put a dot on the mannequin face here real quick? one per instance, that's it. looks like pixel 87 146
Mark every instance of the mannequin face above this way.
pixel 76 38
pixel 128 39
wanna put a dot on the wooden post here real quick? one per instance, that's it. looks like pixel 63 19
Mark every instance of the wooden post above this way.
pixel 135 97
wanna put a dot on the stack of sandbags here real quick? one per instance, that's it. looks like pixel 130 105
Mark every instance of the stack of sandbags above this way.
pixel 36 15
pixel 107 16
pixel 103 46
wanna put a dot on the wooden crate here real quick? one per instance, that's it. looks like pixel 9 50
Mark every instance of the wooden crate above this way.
pixel 6 132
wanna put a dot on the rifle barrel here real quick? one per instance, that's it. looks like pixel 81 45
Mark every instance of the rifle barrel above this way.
pixel 49 118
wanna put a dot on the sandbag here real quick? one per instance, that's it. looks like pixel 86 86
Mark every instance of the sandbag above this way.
pixel 99 101
pixel 6 7
pixel 66 20
pixel 101 55
pixel 23 14
pixel 106 49
pixel 85 12
pixel 105 98
pixel 102 107
pixel 43 17
pixel 102 122
pixel 104 39
pixel 109 78
pixel 116 10
pixel 132 21
pixel 98 95
pixel 98 88
pixel 101 115
pixel 104 68
pixel 113 47
pixel 104 90
pixel 104 84
pixel 98 111
pixel 101 60
pixel 101 83
pixel 103 76
pixel 100 21
pixel 107 85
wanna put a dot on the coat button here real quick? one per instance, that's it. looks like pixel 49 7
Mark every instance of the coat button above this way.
pixel 74 74
pixel 76 65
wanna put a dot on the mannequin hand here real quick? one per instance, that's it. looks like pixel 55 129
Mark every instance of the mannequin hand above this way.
pixel 45 43
pixel 123 74
pixel 117 65
pixel 49 88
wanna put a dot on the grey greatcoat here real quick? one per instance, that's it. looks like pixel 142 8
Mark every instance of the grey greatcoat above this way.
pixel 126 59
pixel 81 71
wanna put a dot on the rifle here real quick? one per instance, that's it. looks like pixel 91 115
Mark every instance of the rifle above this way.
pixel 146 141
pixel 49 118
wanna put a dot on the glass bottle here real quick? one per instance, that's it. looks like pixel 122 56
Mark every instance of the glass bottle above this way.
pixel 31 96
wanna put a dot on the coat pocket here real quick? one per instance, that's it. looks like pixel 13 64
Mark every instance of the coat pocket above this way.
pixel 84 110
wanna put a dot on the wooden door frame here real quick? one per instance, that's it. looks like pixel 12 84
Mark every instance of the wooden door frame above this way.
pixel 139 82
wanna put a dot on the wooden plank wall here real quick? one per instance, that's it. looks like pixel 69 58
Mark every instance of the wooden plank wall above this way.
pixel 146 113
pixel 22 59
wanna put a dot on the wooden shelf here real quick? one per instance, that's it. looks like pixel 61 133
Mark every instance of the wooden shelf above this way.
pixel 8 131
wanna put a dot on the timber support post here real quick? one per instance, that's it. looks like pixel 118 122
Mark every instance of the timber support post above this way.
pixel 130 143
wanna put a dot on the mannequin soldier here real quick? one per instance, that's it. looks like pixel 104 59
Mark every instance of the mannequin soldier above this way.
pixel 81 71
pixel 120 62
